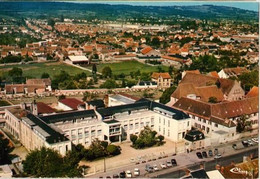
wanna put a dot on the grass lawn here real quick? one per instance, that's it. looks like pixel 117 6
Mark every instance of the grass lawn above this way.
pixel 127 66
pixel 4 103
pixel 36 70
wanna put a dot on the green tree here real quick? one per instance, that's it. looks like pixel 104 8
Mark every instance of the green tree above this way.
pixel 113 150
pixel 43 163
pixel 94 69
pixel 16 74
pixel 45 75
pixel 51 22
pixel 133 138
pixel 107 72
pixel 61 97
pixel 170 70
pixel 5 150
pixel 155 42
pixel 213 99
pixel 249 79
pixel 166 96
pixel 96 150
pixel 109 84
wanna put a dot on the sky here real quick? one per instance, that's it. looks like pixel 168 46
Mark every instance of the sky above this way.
pixel 253 6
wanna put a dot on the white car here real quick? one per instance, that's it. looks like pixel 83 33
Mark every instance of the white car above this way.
pixel 136 172
pixel 155 167
pixel 250 142
pixel 168 164
pixel 217 156
pixel 128 174
pixel 255 140
pixel 163 165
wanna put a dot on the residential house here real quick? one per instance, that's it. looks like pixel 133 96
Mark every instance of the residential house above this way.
pixel 149 52
pixel 69 104
pixel 163 80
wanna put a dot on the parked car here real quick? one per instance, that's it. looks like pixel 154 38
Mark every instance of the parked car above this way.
pixel 245 143
pixel 199 155
pixel 163 165
pixel 255 140
pixel 210 153
pixel 148 168
pixel 216 151
pixel 115 176
pixel 169 164
pixel 250 142
pixel 108 177
pixel 128 174
pixel 173 162
pixel 218 156
pixel 136 172
pixel 204 154
pixel 155 167
pixel 122 174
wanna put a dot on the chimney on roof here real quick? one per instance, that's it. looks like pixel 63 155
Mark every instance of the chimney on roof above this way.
pixel 187 172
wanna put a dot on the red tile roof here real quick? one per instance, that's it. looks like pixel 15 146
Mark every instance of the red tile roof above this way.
pixel 163 75
pixel 71 102
pixel 253 92
pixel 44 108
pixel 146 50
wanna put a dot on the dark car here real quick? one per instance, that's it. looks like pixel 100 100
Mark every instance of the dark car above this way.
pixel 108 177
pixel 245 143
pixel 173 162
pixel 115 176
pixel 199 155
pixel 216 151
pixel 122 174
pixel 210 153
pixel 204 154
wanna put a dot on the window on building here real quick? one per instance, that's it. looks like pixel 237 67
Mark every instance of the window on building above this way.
pixel 86 133
pixel 160 120
pixel 147 123
pixel 188 123
pixel 137 125
pixel 159 128
pixel 193 117
pixel 131 126
pixel 199 119
pixel 163 131
pixel 93 132
pixel 204 120
pixel 99 132
pixel 168 133
pixel 163 121
pixel 209 122
pixel 169 123
pixel 152 120
pixel 216 125
pixel 125 127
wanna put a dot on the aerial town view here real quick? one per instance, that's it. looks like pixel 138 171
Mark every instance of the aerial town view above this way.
pixel 129 89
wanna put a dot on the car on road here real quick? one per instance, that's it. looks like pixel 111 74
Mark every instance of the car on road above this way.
pixel 128 174
pixel 218 156
pixel 255 139
pixel 122 174
pixel 163 165
pixel 169 164
pixel 136 172
pixel 199 155
pixel 210 153
pixel 204 154
pixel 173 162
pixel 115 176
pixel 155 167
pixel 108 177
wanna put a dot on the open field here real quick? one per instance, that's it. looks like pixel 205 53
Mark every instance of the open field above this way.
pixel 127 66
pixel 35 70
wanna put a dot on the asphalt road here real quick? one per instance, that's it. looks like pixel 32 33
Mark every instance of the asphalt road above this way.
pixel 210 165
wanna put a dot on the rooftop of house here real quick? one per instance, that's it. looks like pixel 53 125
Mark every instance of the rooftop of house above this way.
pixel 44 108
pixel 253 92
pixel 218 112
pixel 69 116
pixel 51 135
pixel 71 102
pixel 142 104
pixel 45 81
pixel 156 75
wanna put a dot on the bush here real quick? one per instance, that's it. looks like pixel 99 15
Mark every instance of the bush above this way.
pixel 113 150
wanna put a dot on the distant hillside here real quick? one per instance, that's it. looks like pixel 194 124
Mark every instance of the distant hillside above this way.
pixel 111 12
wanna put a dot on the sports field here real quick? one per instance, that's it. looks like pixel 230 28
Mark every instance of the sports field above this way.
pixel 127 66
pixel 37 69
